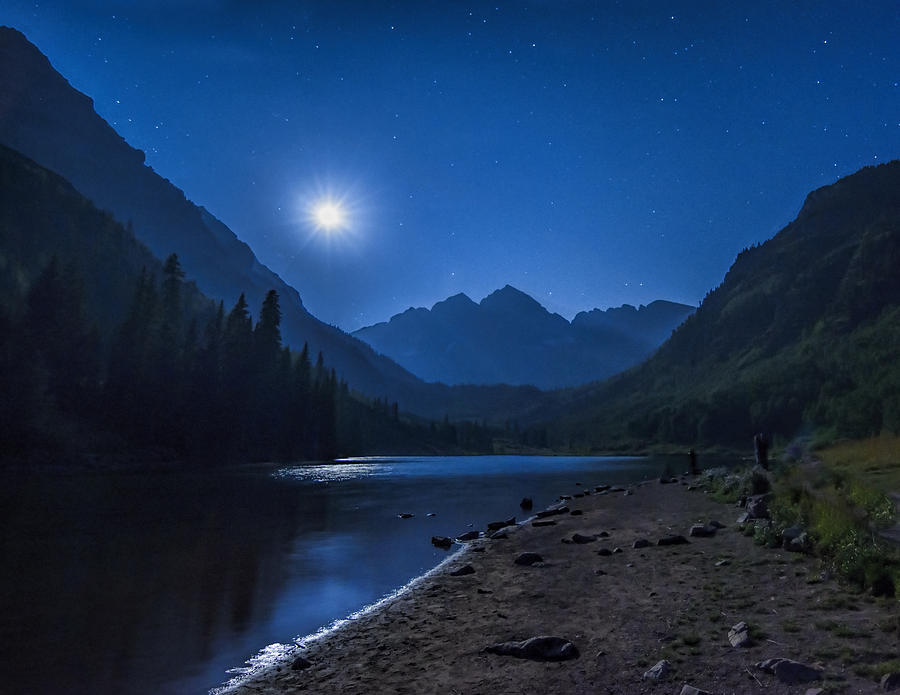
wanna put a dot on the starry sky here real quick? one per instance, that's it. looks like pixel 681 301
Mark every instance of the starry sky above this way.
pixel 588 153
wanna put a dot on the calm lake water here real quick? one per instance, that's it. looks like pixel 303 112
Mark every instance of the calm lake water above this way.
pixel 162 582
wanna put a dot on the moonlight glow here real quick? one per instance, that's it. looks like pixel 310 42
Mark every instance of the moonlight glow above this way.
pixel 329 215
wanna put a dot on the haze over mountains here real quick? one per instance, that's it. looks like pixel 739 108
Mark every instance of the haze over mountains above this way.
pixel 510 338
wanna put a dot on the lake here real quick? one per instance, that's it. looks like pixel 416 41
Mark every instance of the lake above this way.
pixel 161 582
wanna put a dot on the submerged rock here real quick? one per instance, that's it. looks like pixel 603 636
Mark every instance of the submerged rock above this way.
pixel 526 503
pixel 406 515
pixel 541 648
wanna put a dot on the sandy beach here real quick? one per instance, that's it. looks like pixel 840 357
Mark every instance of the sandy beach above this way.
pixel 624 612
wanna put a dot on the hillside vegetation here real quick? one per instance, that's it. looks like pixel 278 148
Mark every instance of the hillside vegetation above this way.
pixel 803 335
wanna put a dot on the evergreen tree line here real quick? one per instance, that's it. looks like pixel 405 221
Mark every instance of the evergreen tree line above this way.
pixel 175 381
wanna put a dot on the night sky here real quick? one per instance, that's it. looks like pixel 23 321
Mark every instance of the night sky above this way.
pixel 589 153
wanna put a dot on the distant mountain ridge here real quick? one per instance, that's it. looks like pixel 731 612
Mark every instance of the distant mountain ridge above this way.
pixel 509 337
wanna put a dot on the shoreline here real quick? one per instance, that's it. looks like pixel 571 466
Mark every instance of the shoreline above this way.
pixel 624 611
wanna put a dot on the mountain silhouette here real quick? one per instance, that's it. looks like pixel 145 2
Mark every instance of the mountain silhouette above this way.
pixel 509 337
pixel 802 335
pixel 43 117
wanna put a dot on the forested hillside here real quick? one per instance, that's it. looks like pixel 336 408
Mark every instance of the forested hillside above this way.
pixel 803 335
pixel 106 350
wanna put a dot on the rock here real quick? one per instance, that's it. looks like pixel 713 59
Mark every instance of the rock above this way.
pixel 541 648
pixel 552 512
pixel 468 536
pixel 715 524
pixel 526 503
pixel 658 671
pixel 603 534
pixel 578 484
pixel 691 690
pixel 463 571
pixel 430 514
pixel 617 488
pixel 599 572
pixel 722 563
pixel 672 539
pixel 791 672
pixel 406 515
pixel 441 542
pixel 616 551
pixel 691 488
pixel 758 506
pixel 601 488
pixel 890 681
pixel 800 544
pixel 528 559
pixel 666 481
pixel 484 591
pixel 698 531
pixel 743 518
pixel 641 543
pixel 739 635
pixel 565 497
pixel 579 538
pixel 628 492
pixel 498 535
pixel 545 522
pixel 497 525
pixel 576 512
pixel 578 494
pixel 604 552
pixel 300 663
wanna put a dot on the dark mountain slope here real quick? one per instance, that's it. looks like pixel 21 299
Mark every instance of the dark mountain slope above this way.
pixel 43 117
pixel 804 332
pixel 509 337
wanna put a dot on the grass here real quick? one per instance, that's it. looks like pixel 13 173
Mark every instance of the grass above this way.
pixel 875 461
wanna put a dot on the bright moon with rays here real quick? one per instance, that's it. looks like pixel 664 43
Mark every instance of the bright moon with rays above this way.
pixel 329 215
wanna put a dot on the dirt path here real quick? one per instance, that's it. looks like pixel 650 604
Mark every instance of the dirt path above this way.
pixel 624 612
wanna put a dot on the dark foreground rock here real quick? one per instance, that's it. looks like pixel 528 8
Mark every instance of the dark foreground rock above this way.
pixel 300 663
pixel 528 559
pixel 441 542
pixel 541 648
pixel 497 525
pixel 791 672
pixel 468 536
pixel 463 571
pixel 672 540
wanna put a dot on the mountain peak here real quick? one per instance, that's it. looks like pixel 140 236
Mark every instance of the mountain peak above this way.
pixel 508 298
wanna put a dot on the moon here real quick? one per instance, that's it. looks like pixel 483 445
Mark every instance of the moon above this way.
pixel 329 215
